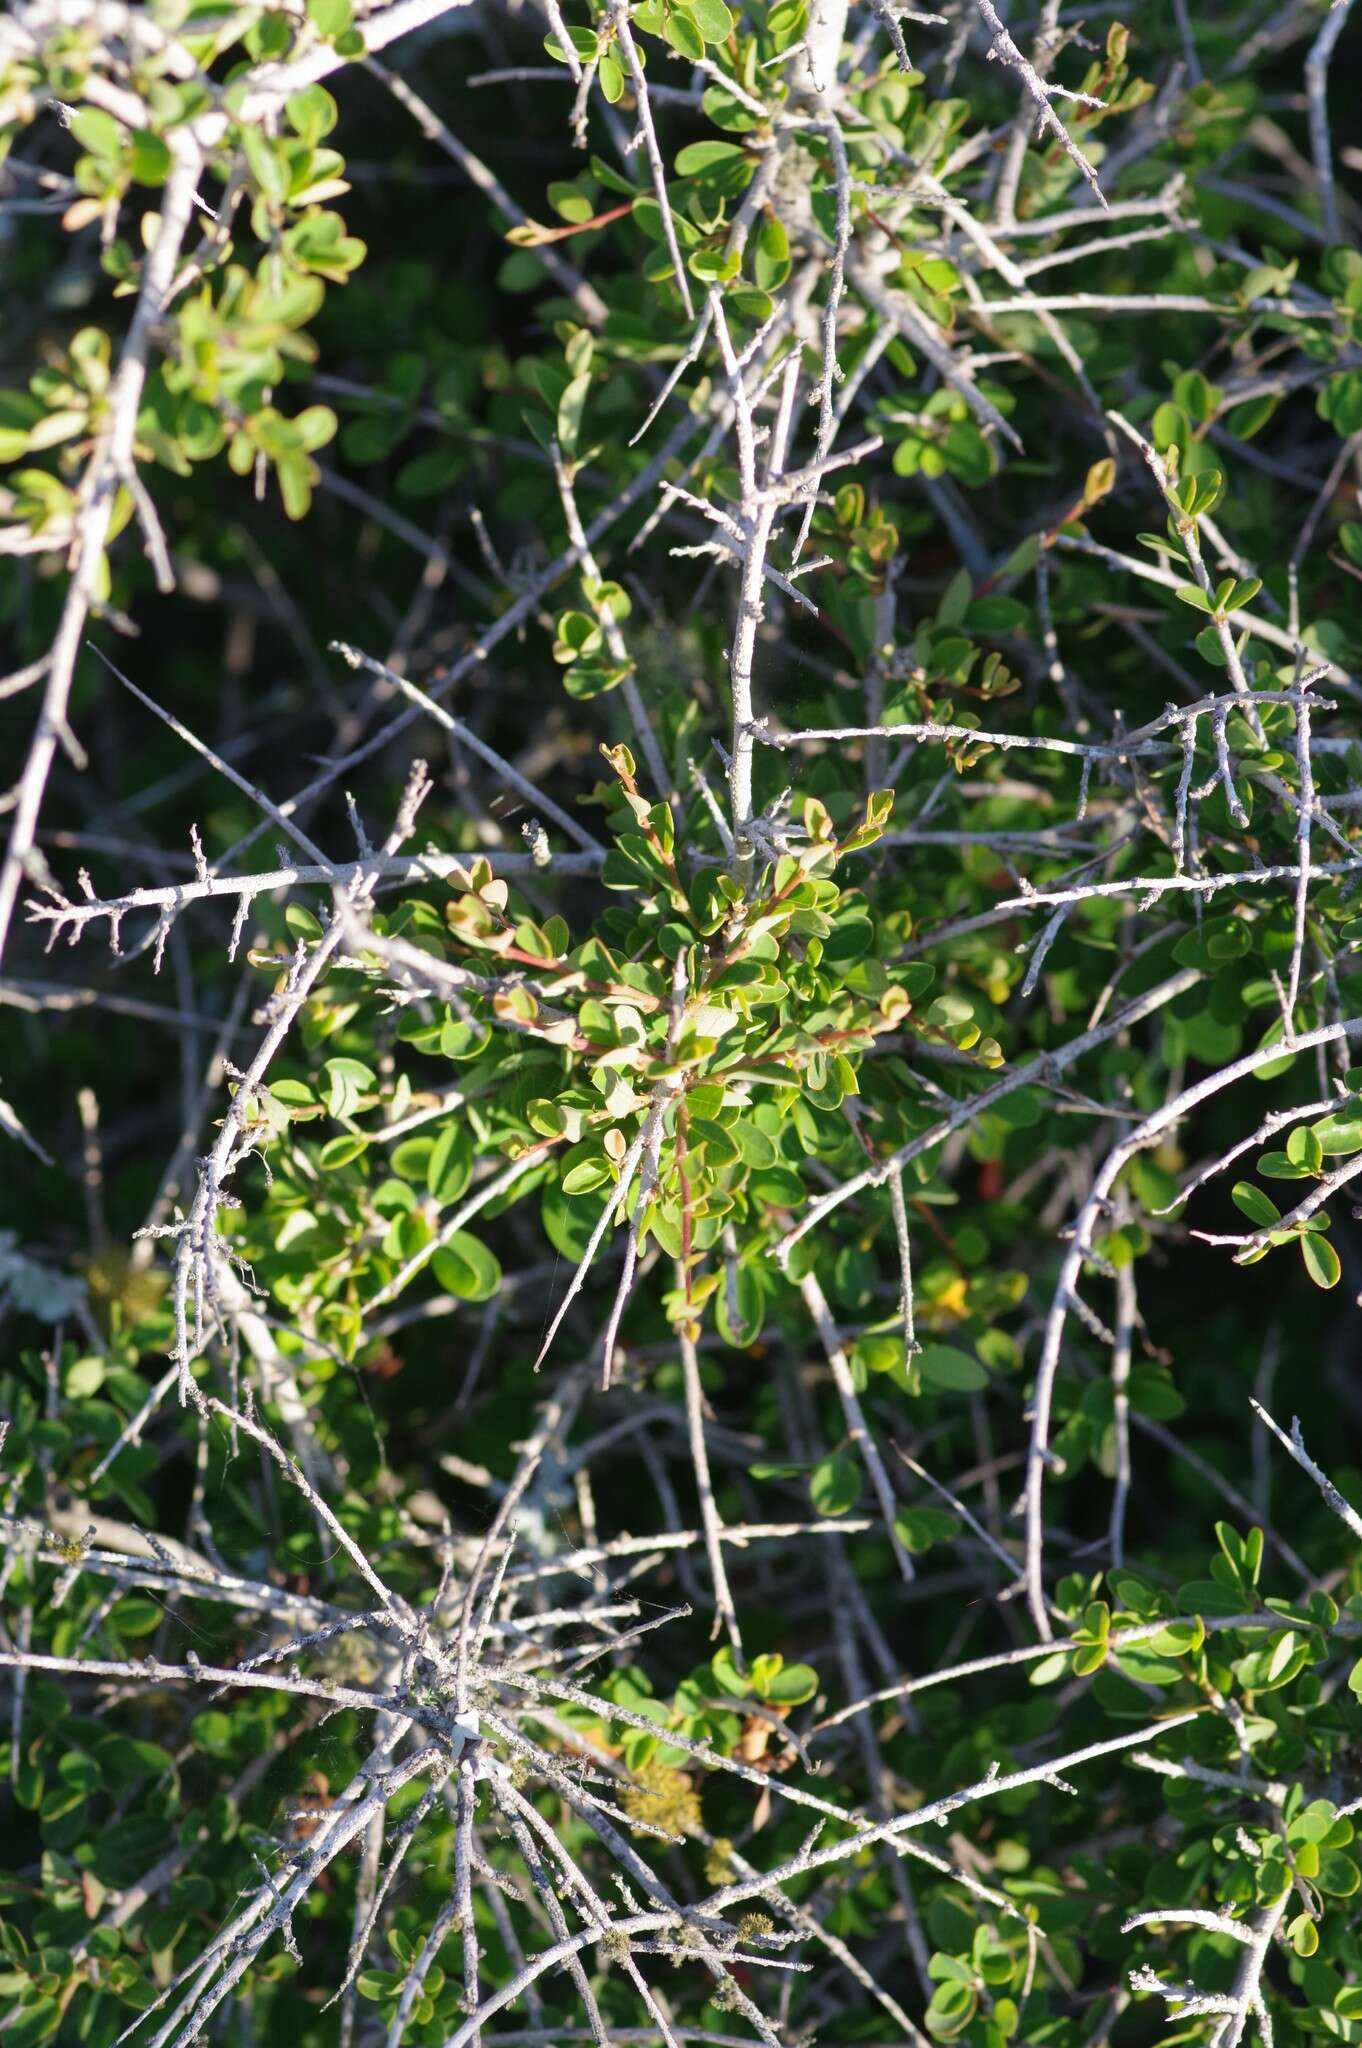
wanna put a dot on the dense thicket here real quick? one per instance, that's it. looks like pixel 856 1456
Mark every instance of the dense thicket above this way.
pixel 678 1079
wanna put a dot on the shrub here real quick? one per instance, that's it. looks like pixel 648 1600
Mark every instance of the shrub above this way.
pixel 722 730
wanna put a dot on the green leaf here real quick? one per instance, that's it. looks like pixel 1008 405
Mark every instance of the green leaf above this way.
pixel 1340 1132
pixel 295 474
pixel 301 922
pixel 569 1220
pixel 919 1528
pixel 1261 1211
pixel 83 1379
pixel 791 1686
pixel 714 20
pixel 314 426
pixel 1248 419
pixel 835 1484
pixel 944 1369
pixel 465 1267
pixel 770 254
pixel 98 133
pixel 1283 1651
pixel 583 41
pixel 347 1082
pixel 312 112
pixel 683 32
pixel 411 1159
pixel 330 18
pixel 1197 397
pixel 212 1733
pixel 293 1094
pixel 379 1986
pixel 1303 1934
pixel 1321 1260
pixel 571 406
pixel 266 165
pixel 705 156
pixel 729 1680
pixel 450 1165
pixel 1338 1874
pixel 34 2023
pixel 586 1176
pixel 739 1308
pixel 150 164
pixel 338 1152
pixel 951 2009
